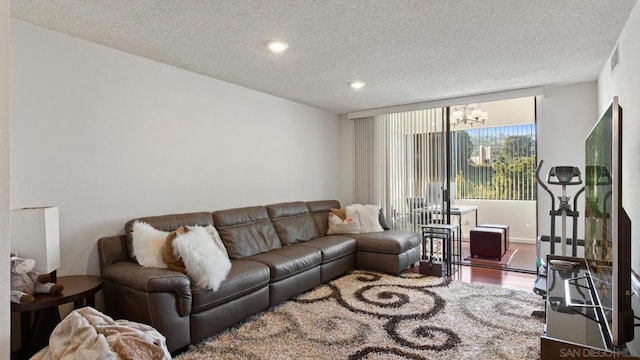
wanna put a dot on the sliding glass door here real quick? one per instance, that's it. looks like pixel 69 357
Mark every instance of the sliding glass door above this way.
pixel 493 164
pixel 475 162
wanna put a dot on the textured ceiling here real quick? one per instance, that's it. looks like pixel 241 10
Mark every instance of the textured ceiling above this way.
pixel 406 51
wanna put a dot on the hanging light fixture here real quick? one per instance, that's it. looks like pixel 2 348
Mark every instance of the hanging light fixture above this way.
pixel 467 114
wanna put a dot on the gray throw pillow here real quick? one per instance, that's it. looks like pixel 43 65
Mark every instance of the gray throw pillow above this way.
pixel 383 220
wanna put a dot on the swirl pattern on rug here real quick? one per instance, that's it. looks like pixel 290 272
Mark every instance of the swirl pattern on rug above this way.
pixel 369 315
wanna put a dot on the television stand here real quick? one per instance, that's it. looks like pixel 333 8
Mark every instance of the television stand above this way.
pixel 572 329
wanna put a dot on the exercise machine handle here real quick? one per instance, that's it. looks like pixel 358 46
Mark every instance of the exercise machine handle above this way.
pixel 541 183
pixel 575 199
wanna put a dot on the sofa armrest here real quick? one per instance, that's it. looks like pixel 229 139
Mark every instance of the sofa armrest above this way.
pixel 151 280
pixel 112 249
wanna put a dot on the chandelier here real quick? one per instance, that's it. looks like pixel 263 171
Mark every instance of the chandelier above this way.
pixel 467 114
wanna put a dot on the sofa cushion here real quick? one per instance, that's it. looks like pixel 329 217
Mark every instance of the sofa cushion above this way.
pixel 332 247
pixel 246 231
pixel 320 211
pixel 293 222
pixel 289 260
pixel 244 277
pixel 388 242
pixel 167 223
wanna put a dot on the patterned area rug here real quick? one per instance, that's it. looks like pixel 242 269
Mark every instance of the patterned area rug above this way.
pixel 367 315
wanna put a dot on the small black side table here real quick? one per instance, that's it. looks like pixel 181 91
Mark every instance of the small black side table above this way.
pixel 79 289
pixel 451 244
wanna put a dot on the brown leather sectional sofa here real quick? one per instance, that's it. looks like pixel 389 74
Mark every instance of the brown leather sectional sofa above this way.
pixel 277 252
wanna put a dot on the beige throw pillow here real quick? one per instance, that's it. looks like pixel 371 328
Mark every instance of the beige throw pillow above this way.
pixel 339 226
pixel 339 212
pixel 173 263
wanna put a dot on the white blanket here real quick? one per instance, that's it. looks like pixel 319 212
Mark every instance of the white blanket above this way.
pixel 87 333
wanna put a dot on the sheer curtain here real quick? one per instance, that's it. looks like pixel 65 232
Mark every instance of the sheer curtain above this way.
pixel 400 164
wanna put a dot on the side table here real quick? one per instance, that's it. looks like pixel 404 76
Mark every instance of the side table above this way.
pixel 451 244
pixel 79 289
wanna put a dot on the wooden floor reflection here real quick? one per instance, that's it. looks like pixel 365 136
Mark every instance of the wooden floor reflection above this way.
pixel 503 278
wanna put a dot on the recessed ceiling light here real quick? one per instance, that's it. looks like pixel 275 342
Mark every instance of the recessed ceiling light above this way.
pixel 357 84
pixel 277 46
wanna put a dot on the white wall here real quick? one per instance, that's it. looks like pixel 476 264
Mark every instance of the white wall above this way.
pixel 566 114
pixel 519 215
pixel 625 83
pixel 108 136
pixel 5 330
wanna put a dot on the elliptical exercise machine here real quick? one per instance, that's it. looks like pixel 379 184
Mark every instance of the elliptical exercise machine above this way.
pixel 563 176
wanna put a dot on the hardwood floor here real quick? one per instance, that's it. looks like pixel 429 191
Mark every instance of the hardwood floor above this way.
pixel 518 274
pixel 503 278
pixel 524 257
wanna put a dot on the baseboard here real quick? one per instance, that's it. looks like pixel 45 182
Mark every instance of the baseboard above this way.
pixel 522 240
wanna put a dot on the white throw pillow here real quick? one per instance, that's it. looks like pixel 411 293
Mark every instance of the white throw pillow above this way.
pixel 206 264
pixel 367 215
pixel 213 232
pixel 148 243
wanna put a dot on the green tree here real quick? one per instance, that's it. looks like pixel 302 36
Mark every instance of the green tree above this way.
pixel 514 174
pixel 461 150
pixel 462 146
pixel 517 146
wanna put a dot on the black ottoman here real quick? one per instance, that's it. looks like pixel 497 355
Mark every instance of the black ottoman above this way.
pixel 506 232
pixel 486 242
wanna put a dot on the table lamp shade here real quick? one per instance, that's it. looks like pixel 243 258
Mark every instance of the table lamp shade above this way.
pixel 35 234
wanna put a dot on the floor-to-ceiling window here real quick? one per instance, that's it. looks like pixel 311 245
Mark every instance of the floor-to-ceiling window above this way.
pixel 402 162
pixel 493 163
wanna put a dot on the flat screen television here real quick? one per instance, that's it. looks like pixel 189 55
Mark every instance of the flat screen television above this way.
pixel 608 227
